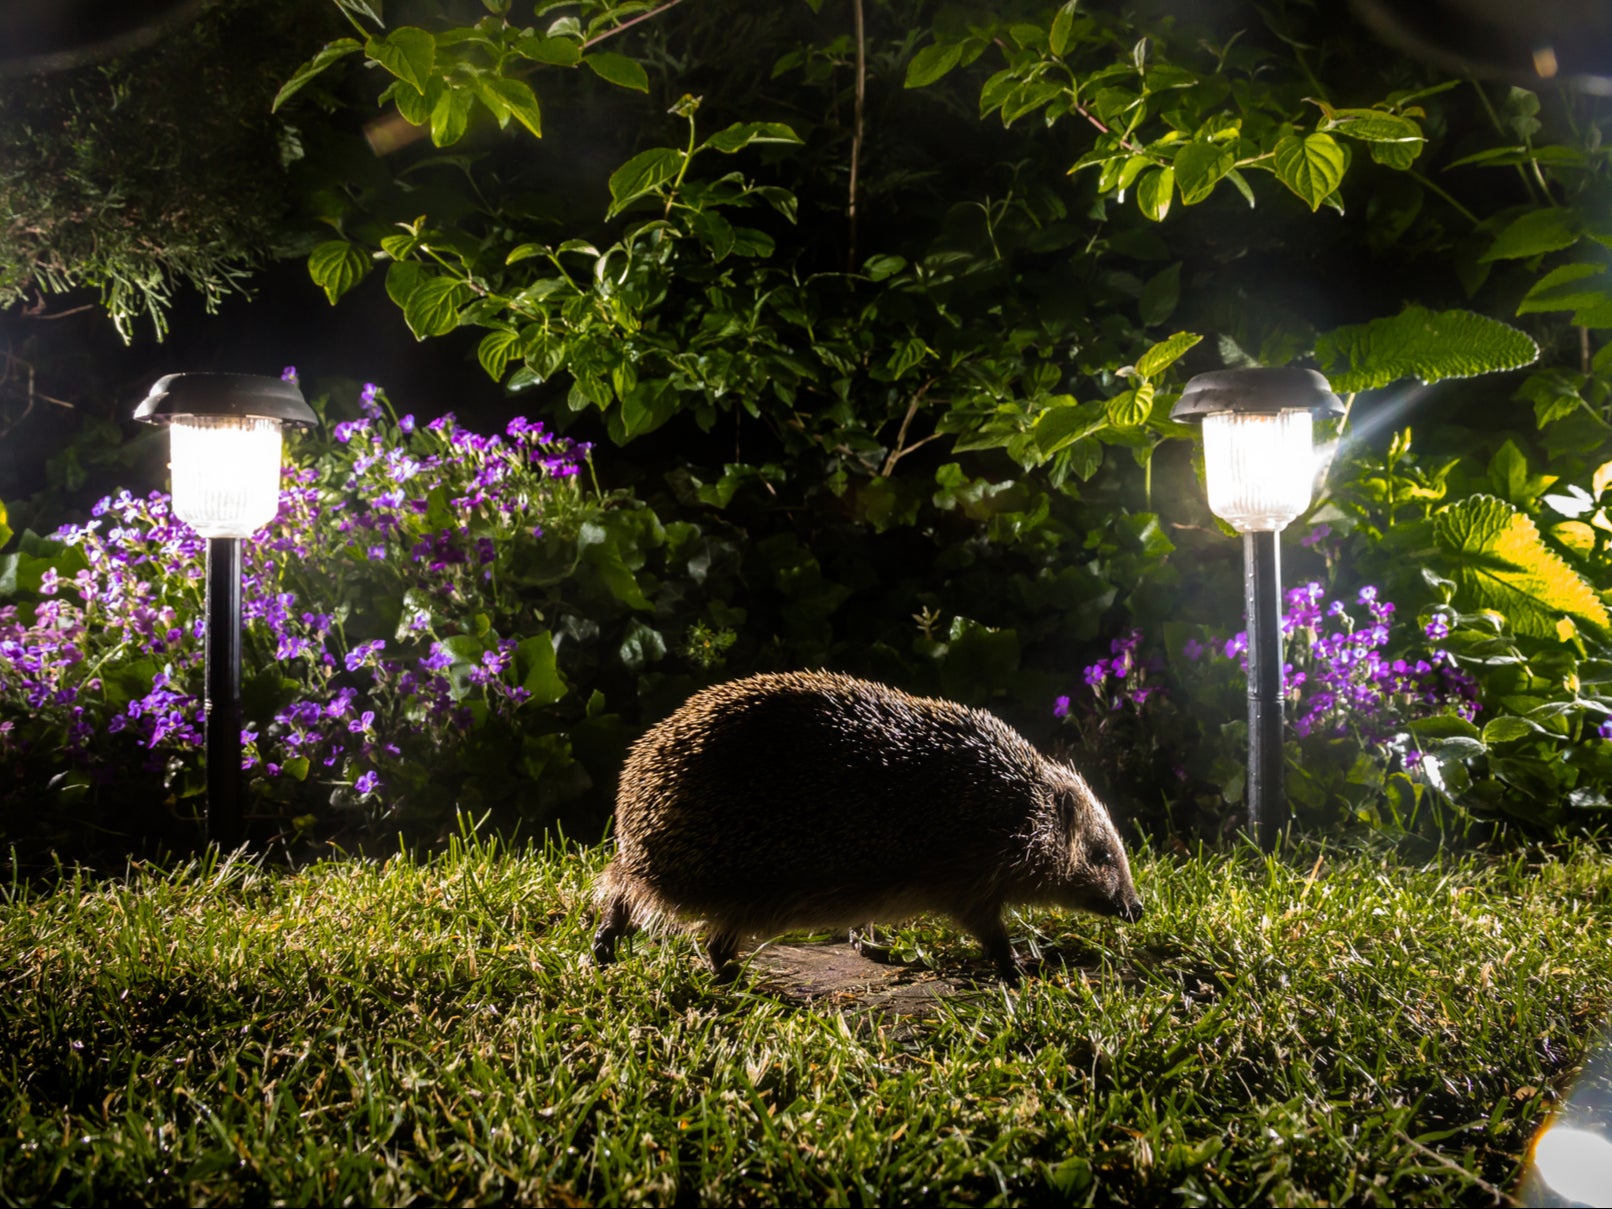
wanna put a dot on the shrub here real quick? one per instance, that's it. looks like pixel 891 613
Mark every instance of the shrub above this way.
pixel 401 620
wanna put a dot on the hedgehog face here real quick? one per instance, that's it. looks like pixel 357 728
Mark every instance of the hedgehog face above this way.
pixel 1098 875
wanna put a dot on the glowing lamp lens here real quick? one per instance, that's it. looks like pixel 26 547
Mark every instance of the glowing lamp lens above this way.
pixel 226 473
pixel 1260 467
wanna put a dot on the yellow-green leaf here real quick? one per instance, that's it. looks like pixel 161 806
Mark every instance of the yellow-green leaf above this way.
pixel 1500 562
pixel 1311 166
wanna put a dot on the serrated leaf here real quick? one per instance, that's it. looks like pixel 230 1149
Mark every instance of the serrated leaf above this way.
pixel 1427 345
pixel 336 266
pixel 1395 155
pixel 336 50
pixel 1500 562
pixel 1199 167
pixel 931 63
pixel 644 173
pixel 495 351
pixel 408 53
pixel 1153 192
pixel 1311 167
pixel 1533 234
pixel 432 307
pixel 1165 354
pixel 618 70
pixel 742 134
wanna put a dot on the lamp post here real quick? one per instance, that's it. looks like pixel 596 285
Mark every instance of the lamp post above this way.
pixel 1259 467
pixel 224 433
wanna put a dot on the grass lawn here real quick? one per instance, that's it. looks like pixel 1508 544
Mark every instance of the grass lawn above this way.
pixel 1349 1028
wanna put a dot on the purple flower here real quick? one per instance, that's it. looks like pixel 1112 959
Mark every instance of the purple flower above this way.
pixel 1060 707
pixel 289 374
pixel 1438 627
pixel 367 784
pixel 1096 674
pixel 1193 649
pixel 1317 534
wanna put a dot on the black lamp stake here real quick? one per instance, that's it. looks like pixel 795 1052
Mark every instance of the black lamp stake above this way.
pixel 1267 496
pixel 224 511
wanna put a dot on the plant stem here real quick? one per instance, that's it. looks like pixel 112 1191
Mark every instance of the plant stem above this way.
pixel 856 130
pixel 626 25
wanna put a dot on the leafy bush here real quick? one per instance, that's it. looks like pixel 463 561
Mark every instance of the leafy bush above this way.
pixel 405 619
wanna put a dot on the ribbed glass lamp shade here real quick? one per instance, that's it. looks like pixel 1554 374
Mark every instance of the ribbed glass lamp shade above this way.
pixel 226 473
pixel 1260 467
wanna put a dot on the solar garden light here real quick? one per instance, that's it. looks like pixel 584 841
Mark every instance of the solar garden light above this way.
pixel 1259 467
pixel 225 459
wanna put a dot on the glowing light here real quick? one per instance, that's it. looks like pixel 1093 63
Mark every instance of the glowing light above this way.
pixel 1545 62
pixel 226 473
pixel 1260 467
pixel 1576 1163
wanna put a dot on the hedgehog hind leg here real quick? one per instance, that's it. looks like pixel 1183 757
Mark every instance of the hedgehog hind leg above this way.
pixel 615 921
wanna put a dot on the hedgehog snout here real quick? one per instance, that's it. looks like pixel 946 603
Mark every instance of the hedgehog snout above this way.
pixel 1130 909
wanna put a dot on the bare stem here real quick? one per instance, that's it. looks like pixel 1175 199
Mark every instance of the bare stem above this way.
pixel 856 130
pixel 901 448
pixel 625 25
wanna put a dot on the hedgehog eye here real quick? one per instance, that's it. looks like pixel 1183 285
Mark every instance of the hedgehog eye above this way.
pixel 1101 855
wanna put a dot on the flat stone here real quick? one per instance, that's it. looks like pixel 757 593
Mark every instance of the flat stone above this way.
pixel 836 974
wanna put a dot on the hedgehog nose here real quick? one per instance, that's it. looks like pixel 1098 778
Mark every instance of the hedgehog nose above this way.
pixel 1131 911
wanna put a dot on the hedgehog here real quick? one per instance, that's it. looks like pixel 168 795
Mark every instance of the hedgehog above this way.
pixel 814 800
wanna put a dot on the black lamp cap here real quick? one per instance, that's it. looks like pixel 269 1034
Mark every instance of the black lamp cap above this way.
pixel 224 395
pixel 1269 390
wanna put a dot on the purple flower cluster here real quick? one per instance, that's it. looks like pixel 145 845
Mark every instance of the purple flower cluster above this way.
pixel 413 513
pixel 1339 675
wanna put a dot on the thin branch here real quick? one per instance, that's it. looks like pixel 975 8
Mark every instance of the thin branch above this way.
pixel 856 129
pixel 625 25
pixel 1106 129
pixel 900 449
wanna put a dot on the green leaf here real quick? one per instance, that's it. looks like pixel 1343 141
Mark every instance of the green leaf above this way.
pixel 1165 354
pixel 495 351
pixel 1500 562
pixel 1160 295
pixel 1508 728
pixel 516 99
pixel 561 52
pixel 1395 155
pixel 537 669
pixel 1558 290
pixel 1442 726
pixel 618 69
pixel 932 62
pixel 408 53
pixel 1062 25
pixel 1311 166
pixel 1153 192
pixel 1129 409
pixel 1420 343
pixel 1374 126
pixel 450 116
pixel 641 646
pixel 5 529
pixel 1199 167
pixel 432 308
pixel 644 173
pixel 1535 233
pixel 338 49
pixel 742 134
pixel 1065 422
pixel 336 266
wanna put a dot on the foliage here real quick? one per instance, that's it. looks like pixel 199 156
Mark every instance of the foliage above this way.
pixel 1160 720
pixel 1345 1029
pixel 414 621
pixel 158 171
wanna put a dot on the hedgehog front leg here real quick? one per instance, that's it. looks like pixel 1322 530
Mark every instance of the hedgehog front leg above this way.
pixel 615 921
pixel 987 926
pixel 720 947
